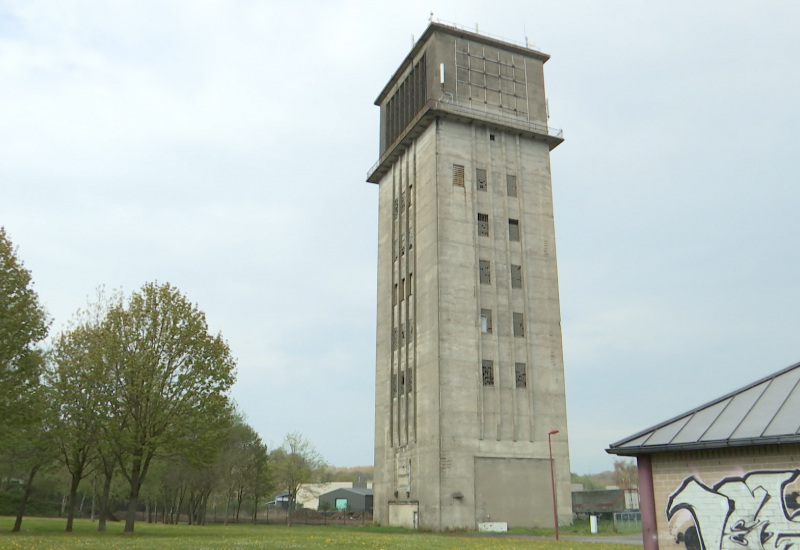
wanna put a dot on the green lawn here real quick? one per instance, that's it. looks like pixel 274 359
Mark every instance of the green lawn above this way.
pixel 48 534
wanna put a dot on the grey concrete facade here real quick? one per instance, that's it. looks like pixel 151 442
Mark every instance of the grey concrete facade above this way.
pixel 469 365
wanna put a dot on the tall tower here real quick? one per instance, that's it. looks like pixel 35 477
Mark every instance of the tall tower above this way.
pixel 469 372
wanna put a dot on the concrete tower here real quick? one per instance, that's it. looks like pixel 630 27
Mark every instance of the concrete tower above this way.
pixel 469 374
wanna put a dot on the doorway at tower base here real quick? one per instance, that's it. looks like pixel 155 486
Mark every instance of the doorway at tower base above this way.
pixel 404 514
pixel 516 491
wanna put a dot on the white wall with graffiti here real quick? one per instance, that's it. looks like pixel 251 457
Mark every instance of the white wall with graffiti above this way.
pixel 743 498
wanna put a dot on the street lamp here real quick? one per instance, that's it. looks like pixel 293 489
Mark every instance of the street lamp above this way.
pixel 553 480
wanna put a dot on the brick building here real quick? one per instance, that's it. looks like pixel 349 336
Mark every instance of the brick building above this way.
pixel 725 475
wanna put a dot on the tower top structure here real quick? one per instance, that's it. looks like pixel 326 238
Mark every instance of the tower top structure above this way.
pixel 462 75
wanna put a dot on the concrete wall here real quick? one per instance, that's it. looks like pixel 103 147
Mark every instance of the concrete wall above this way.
pixel 428 438
pixel 727 499
pixel 450 448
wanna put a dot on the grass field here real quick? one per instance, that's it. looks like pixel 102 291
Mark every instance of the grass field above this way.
pixel 48 534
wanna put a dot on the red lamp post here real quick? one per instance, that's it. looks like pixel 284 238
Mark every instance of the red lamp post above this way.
pixel 553 480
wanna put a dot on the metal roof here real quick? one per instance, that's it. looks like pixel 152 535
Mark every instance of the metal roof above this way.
pixel 765 412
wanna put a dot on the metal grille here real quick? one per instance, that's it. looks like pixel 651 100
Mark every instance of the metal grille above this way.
pixel 458 175
pixel 406 102
pixel 483 225
pixel 487 371
pixel 491 79
pixel 520 375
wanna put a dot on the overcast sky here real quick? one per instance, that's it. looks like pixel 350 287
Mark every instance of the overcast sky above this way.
pixel 223 147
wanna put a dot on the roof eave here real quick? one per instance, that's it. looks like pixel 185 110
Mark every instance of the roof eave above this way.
pixel 704 445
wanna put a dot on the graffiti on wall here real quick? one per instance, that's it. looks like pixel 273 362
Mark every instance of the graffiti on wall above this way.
pixel 756 511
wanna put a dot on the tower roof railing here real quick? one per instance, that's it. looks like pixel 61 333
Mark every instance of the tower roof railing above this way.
pixel 524 44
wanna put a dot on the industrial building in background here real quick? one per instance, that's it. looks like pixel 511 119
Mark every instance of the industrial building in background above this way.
pixel 469 401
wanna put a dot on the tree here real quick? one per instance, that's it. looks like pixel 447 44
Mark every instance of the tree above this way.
pixel 23 323
pixel 626 474
pixel 297 462
pixel 31 448
pixel 77 381
pixel 168 383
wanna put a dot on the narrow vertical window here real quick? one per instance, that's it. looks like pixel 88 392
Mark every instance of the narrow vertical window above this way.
pixel 458 175
pixel 394 295
pixel 480 178
pixel 402 200
pixel 409 290
pixel 486 321
pixel 487 371
pixel 410 330
pixel 483 225
pixel 520 375
pixel 402 245
pixel 402 289
pixel 519 324
pixel 395 209
pixel 513 230
pixel 516 276
pixel 485 272
pixel 394 339
pixel 511 185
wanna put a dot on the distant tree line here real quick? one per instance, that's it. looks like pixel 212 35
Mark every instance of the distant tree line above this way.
pixel 624 475
pixel 128 405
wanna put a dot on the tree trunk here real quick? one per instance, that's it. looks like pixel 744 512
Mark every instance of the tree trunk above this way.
pixel 104 499
pixel 94 497
pixel 227 507
pixel 181 498
pixel 239 497
pixel 133 499
pixel 108 465
pixel 255 509
pixel 73 494
pixel 24 502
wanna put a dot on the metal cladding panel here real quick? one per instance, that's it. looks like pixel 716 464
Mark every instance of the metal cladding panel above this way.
pixel 767 406
pixel 665 434
pixel 638 442
pixel 737 408
pixel 694 430
pixel 787 421
pixel 765 412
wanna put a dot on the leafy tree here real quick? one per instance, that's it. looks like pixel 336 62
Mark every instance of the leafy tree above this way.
pixel 32 447
pixel 23 323
pixel 78 382
pixel 626 474
pixel 261 481
pixel 168 383
pixel 297 462
pixel 244 461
